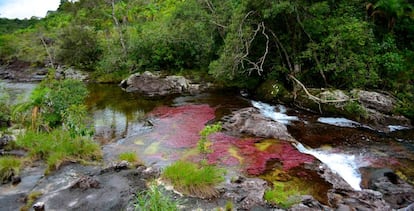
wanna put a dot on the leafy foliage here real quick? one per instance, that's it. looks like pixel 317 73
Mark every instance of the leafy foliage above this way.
pixel 54 102
pixel 340 44
pixel 5 110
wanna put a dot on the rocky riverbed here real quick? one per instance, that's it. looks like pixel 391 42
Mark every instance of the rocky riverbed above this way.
pixel 260 144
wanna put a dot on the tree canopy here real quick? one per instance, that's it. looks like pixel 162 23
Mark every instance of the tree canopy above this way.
pixel 333 43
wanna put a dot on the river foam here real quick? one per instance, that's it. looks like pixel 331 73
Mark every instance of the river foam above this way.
pixel 344 165
pixel 276 113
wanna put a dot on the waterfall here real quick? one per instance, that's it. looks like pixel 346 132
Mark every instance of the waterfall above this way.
pixel 344 165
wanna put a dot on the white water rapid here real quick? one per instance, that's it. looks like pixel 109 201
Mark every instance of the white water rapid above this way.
pixel 277 113
pixel 344 165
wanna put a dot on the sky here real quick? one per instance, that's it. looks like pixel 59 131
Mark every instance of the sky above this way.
pixel 26 8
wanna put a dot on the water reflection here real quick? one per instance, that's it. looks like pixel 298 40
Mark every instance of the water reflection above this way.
pixel 117 114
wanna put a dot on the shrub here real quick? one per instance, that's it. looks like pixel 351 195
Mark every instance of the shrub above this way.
pixel 282 196
pixel 193 179
pixel 52 103
pixel 355 109
pixel 4 107
pixel 154 199
pixel 9 166
pixel 59 146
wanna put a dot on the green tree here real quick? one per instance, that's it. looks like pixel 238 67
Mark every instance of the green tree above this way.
pixel 79 47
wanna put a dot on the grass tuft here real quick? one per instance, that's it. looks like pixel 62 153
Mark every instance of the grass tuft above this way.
pixel 282 196
pixel 131 157
pixel 9 166
pixel 30 199
pixel 190 178
pixel 154 199
pixel 58 147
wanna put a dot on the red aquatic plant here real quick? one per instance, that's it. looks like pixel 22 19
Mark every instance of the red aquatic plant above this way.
pixel 179 127
pixel 254 158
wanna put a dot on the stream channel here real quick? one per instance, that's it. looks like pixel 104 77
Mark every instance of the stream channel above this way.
pixel 163 130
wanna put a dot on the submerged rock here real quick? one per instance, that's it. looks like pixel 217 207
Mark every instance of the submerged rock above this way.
pixel 154 85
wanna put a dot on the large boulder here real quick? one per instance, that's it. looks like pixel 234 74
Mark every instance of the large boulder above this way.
pixel 250 121
pixel 374 100
pixel 371 108
pixel 343 197
pixel 154 85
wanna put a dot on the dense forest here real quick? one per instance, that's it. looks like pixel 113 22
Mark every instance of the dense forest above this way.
pixel 341 44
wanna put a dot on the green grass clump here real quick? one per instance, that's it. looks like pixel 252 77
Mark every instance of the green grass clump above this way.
pixel 154 199
pixel 31 198
pixel 229 206
pixel 9 166
pixel 59 146
pixel 194 179
pixel 282 196
pixel 131 157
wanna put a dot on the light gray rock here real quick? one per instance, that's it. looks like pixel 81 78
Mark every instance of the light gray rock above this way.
pixel 248 192
pixel 70 73
pixel 374 100
pixel 154 85
pixel 251 121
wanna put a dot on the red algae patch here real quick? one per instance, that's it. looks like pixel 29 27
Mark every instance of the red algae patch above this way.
pixel 254 153
pixel 179 127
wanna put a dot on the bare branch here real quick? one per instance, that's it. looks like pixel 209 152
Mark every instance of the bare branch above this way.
pixel 283 49
pixel 48 52
pixel 314 98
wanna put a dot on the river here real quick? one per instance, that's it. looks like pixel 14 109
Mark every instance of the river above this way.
pixel 154 128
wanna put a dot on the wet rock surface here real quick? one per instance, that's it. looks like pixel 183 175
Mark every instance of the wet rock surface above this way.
pixel 154 85
pixel 76 187
pixel 246 192
pixel 250 121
